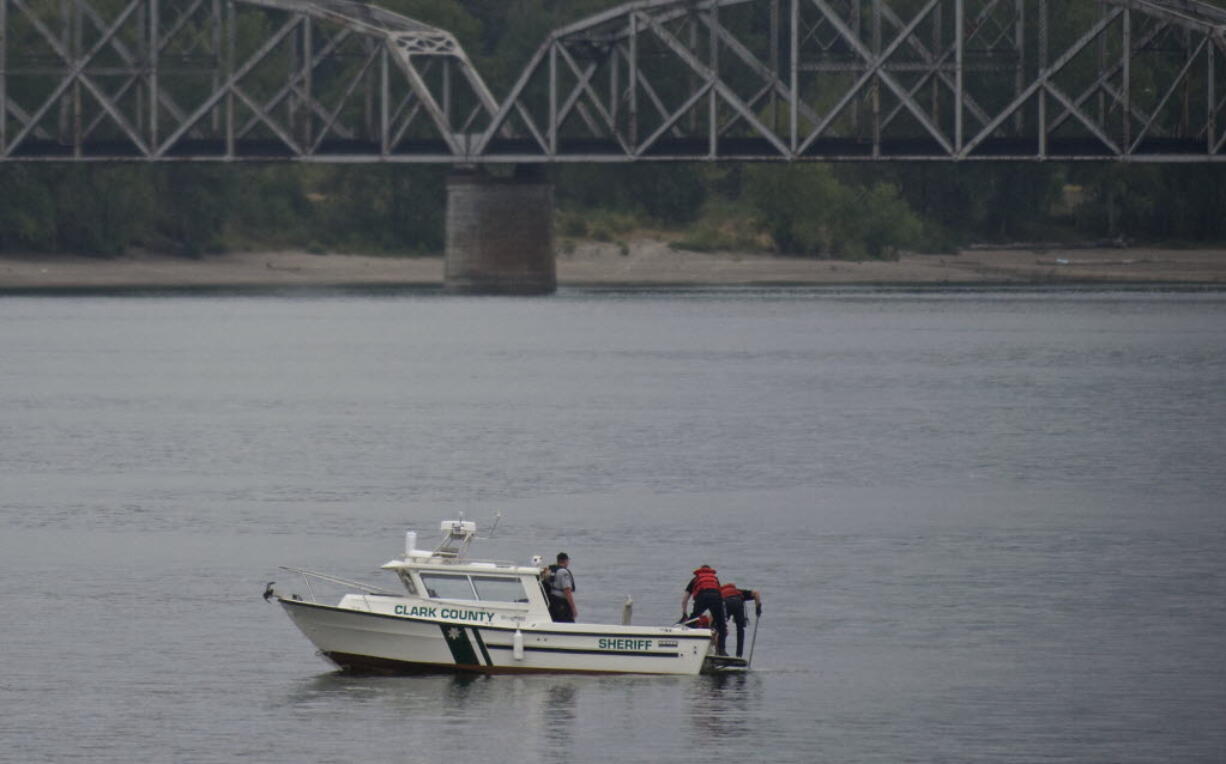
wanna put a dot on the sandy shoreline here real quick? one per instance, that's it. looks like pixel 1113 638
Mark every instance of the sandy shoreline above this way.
pixel 644 262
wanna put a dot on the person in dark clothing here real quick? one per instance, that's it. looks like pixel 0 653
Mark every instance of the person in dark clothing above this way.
pixel 704 588
pixel 562 591
pixel 734 604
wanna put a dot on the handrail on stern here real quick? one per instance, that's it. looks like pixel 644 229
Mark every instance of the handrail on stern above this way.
pixel 307 575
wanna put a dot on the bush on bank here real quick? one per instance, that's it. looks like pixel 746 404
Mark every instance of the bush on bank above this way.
pixel 806 210
pixel 848 211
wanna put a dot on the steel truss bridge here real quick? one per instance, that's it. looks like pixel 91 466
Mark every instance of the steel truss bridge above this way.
pixel 652 80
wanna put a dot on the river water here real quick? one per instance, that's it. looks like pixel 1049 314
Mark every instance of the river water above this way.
pixel 988 526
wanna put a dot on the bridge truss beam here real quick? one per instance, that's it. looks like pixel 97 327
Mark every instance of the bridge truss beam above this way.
pixel 928 80
pixel 190 80
pixel 650 80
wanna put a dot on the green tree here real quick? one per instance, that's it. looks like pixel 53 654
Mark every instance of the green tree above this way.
pixel 101 210
pixel 398 209
pixel 27 209
pixel 807 211
pixel 194 205
pixel 667 194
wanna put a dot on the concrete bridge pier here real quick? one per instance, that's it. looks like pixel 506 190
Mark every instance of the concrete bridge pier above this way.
pixel 500 233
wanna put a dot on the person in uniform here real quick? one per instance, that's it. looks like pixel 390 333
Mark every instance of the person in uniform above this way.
pixel 734 605
pixel 705 589
pixel 562 591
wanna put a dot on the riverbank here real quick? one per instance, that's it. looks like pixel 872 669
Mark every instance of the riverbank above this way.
pixel 643 262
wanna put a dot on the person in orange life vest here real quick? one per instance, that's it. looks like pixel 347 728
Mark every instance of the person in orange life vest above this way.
pixel 734 604
pixel 704 588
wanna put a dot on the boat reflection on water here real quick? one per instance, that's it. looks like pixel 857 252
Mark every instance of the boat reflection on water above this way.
pixel 724 706
pixel 559 717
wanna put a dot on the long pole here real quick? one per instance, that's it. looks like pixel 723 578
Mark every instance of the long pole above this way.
pixel 753 640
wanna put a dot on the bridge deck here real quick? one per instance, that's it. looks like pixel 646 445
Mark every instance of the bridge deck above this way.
pixel 685 150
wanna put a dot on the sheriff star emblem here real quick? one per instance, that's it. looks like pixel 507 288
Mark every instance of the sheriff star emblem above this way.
pixel 453 633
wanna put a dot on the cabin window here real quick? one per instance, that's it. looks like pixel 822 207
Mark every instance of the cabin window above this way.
pixel 499 589
pixel 448 587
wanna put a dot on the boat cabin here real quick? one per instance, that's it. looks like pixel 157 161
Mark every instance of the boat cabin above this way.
pixel 444 577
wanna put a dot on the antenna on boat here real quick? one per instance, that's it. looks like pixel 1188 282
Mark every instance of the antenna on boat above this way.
pixel 493 528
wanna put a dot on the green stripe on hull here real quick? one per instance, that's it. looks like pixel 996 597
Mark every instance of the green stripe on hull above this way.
pixel 481 643
pixel 458 642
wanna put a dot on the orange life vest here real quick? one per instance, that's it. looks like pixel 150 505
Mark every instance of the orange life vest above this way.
pixel 729 590
pixel 704 578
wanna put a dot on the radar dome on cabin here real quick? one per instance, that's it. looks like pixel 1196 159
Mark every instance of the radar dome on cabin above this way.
pixel 457 534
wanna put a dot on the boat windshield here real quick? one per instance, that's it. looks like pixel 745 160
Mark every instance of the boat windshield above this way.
pixel 452 586
pixel 499 588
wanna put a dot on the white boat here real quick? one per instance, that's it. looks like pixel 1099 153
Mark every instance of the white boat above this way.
pixel 460 615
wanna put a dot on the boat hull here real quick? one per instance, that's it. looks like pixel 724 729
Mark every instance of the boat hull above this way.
pixel 363 641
